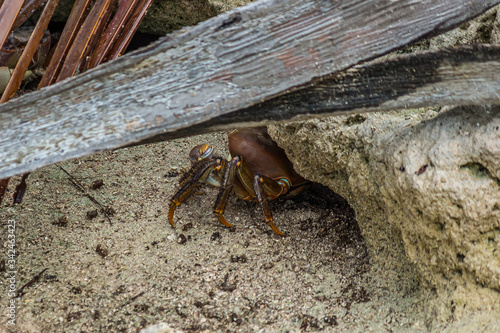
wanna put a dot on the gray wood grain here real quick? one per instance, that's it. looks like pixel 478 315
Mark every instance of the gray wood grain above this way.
pixel 225 64
pixel 466 75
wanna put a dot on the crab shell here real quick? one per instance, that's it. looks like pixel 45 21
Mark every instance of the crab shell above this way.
pixel 262 155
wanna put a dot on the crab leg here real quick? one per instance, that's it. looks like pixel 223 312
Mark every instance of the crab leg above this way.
pixel 261 199
pixel 178 198
pixel 191 181
pixel 225 190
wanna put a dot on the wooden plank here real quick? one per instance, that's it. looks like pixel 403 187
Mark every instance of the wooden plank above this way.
pixel 466 75
pixel 225 64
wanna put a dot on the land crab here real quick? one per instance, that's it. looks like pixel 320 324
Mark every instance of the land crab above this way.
pixel 258 170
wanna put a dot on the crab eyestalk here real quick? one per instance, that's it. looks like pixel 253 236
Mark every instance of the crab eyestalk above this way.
pixel 201 152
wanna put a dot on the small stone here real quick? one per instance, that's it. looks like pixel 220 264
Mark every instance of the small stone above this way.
pixel 102 250
pixel 187 226
pixel 61 221
pixel 97 184
pixel 92 214
pixel 181 239
pixel 237 258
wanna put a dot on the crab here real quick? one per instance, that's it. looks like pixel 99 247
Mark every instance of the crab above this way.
pixel 258 170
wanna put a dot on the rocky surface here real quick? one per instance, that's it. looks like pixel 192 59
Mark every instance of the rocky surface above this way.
pixel 422 183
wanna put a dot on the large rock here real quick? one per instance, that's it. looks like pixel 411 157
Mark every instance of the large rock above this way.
pixel 424 183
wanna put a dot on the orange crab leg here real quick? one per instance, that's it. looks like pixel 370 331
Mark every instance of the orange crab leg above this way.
pixel 178 199
pixel 261 199
pixel 225 190
pixel 191 181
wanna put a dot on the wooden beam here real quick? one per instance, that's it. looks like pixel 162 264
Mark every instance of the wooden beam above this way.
pixel 226 64
pixel 466 75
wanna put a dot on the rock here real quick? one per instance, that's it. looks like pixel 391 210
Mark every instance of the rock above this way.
pixel 484 29
pixel 424 183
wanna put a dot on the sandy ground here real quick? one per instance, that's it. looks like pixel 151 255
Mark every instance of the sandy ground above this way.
pixel 137 271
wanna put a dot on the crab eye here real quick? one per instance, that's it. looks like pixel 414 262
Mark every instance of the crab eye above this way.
pixel 200 152
pixel 208 152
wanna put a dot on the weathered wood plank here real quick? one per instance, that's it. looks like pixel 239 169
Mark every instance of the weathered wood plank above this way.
pixel 225 64
pixel 466 75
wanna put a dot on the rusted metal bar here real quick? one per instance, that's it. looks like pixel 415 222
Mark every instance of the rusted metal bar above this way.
pixel 29 51
pixel 75 20
pixel 8 13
